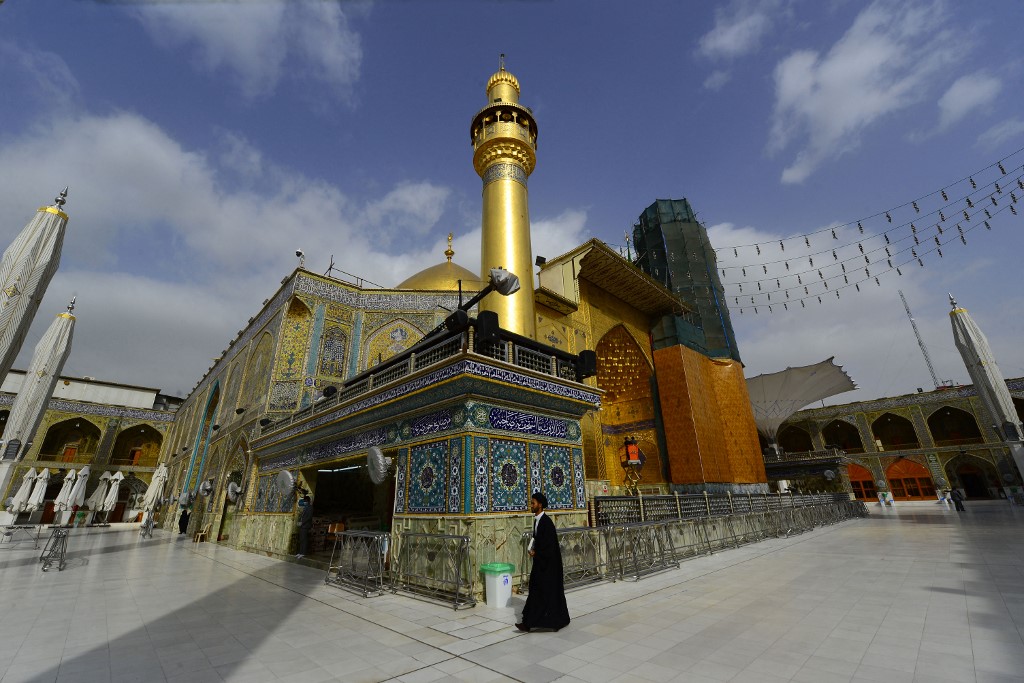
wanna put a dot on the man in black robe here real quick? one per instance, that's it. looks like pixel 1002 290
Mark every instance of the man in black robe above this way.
pixel 545 605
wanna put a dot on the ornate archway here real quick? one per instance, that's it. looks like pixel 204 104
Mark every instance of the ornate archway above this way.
pixel 137 445
pixel 862 482
pixel 909 480
pixel 977 477
pixel 71 441
pixel 954 427
pixel 794 439
pixel 895 433
pixel 842 435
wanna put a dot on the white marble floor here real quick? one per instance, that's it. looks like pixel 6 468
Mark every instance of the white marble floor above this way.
pixel 916 594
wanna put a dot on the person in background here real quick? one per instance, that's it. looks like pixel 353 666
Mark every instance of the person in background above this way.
pixel 305 524
pixel 545 605
pixel 183 521
pixel 958 500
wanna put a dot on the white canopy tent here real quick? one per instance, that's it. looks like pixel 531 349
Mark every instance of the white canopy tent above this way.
pixel 20 500
pixel 95 501
pixel 60 503
pixel 776 396
pixel 35 501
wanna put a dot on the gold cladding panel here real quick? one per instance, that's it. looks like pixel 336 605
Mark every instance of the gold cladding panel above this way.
pixel 506 244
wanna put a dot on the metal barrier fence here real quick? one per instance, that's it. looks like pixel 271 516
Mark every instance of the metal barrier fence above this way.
pixel 639 549
pixel 13 535
pixel 610 510
pixel 434 566
pixel 358 562
pixel 583 559
pixel 56 550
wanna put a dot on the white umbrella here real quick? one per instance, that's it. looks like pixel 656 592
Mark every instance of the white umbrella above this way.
pixel 20 500
pixel 111 500
pixel 95 501
pixel 60 503
pixel 77 496
pixel 35 501
pixel 155 490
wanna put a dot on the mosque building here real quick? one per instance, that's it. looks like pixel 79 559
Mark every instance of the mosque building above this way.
pixel 473 413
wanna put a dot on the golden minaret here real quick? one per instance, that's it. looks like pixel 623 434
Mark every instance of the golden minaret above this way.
pixel 504 137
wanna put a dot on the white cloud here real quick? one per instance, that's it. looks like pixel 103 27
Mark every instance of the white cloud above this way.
pixel 886 61
pixel 738 30
pixel 40 78
pixel 1001 133
pixel 967 94
pixel 258 44
pixel 717 80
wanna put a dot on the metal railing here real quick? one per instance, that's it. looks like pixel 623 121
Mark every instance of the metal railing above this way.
pixel 434 566
pixel 358 562
pixel 56 550
pixel 15 534
pixel 610 510
pixel 583 559
pixel 639 549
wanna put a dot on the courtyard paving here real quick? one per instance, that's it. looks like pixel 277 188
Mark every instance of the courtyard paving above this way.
pixel 919 593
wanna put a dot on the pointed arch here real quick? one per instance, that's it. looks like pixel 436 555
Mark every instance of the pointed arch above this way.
pixel 953 427
pixel 976 476
pixel 842 435
pixel 896 433
pixel 389 340
pixel 862 482
pixel 74 440
pixel 257 373
pixel 909 480
pixel 137 445
pixel 795 439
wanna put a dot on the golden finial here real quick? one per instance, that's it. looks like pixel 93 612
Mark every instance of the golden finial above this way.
pixel 501 62
pixel 449 252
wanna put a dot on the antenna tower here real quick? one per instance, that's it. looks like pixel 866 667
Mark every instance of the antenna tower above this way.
pixel 920 342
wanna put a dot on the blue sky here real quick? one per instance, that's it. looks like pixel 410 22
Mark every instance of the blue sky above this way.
pixel 205 141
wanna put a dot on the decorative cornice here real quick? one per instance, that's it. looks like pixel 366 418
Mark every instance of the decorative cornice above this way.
pixel 82 408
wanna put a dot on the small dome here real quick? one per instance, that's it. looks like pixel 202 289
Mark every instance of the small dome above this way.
pixel 503 76
pixel 443 277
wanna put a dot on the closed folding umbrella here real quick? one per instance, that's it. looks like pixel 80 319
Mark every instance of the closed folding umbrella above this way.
pixel 20 500
pixel 35 501
pixel 77 497
pixel 95 501
pixel 60 503
pixel 111 500
pixel 155 490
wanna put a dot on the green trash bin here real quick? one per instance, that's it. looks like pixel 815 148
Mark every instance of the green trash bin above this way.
pixel 498 583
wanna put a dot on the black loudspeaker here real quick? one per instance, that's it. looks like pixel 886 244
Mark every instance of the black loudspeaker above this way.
pixel 586 366
pixel 330 391
pixel 487 326
pixel 457 321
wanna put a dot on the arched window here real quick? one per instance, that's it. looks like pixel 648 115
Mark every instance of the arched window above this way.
pixel 842 435
pixel 793 439
pixel 895 433
pixel 909 480
pixel 862 482
pixel 953 427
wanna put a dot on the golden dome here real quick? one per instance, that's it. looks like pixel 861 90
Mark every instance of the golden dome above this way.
pixel 503 76
pixel 444 277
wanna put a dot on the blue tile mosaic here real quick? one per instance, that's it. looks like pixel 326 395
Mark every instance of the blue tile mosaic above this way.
pixel 577 478
pixel 527 423
pixel 428 464
pixel 481 452
pixel 455 462
pixel 558 477
pixel 401 478
pixel 509 485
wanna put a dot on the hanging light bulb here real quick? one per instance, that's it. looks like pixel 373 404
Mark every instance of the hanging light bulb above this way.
pixel 857 286
pixel 744 271
pixel 987 214
pixel 820 276
pixel 939 227
pixel 723 272
pixel 819 299
pixel 993 198
pixel 785 305
pixel 782 246
pixel 899 272
pixel 974 185
pixel 834 255
pixel 963 239
pixel 807 241
pixel 1001 169
pixel 913 252
pixel 737 301
pixel 755 310
pixel 888 217
pixel 826 284
pixel 889 261
pixel 867 272
pixel 959 229
pixel 758 249
pixel 877 282
pixel 945 197
pixel 810 259
pixel 777 283
pixel 970 204
pixel 916 207
pixel 802 304
pixel 860 227
pixel 837 293
pixel 942 217
pixel 1013 198
pixel 937 242
pixel 866 259
pixel 751 299
pixel 787 265
pixel 887 252
pixel 769 309
pixel 734 252
pixel 765 269
pixel 806 290
pixel 987 226
pixel 920 262
pixel 843 266
pixel 967 216
pixel 886 236
pixel 741 288
pixel 913 228
pixel 759 286
pixel 834 235
pixel 741 311
pixel 769 296
pixel 846 279
pixel 787 293
pixel 940 252
pixel 799 281
pixel 861 247
pixel 1013 209
pixel 1020 183
pixel 916 241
